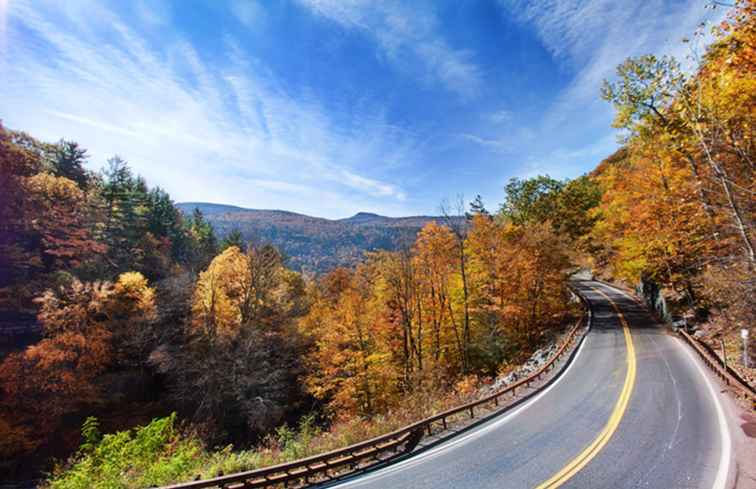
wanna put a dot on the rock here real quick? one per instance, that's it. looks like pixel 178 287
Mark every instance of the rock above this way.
pixel 536 360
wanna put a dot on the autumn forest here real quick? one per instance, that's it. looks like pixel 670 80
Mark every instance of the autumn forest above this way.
pixel 138 329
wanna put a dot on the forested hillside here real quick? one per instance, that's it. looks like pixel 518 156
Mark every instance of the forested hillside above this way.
pixel 311 243
pixel 144 312
pixel 678 204
pixel 79 256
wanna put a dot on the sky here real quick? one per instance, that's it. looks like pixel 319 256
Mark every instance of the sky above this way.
pixel 330 107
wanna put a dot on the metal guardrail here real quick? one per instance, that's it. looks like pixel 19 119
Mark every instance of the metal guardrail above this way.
pixel 714 363
pixel 393 444
pixel 711 360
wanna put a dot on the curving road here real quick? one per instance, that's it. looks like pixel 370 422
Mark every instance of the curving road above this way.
pixel 634 409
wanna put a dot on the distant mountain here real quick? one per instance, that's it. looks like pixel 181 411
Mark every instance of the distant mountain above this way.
pixel 208 209
pixel 314 243
pixel 365 218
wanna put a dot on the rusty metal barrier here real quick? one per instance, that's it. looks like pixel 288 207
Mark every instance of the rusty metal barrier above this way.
pixel 394 443
pixel 379 449
pixel 715 364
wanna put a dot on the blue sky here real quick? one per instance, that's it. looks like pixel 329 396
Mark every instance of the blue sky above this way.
pixel 329 107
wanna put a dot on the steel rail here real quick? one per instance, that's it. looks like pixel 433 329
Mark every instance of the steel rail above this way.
pixel 711 360
pixel 715 364
pixel 395 443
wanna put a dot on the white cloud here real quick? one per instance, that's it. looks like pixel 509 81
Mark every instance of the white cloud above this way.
pixel 497 144
pixel 409 36
pixel 248 12
pixel 590 38
pixel 568 162
pixel 224 131
pixel 104 126
pixel 154 14
pixel 572 28
pixel 507 138
pixel 500 116
pixel 373 187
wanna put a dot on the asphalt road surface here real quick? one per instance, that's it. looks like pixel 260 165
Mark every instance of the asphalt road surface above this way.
pixel 634 409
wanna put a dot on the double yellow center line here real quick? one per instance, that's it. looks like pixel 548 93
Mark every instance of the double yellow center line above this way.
pixel 602 439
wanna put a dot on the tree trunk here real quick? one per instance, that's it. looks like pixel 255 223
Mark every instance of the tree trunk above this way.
pixel 721 175
pixel 466 325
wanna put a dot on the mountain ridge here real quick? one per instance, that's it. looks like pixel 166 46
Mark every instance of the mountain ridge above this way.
pixel 314 244
pixel 214 208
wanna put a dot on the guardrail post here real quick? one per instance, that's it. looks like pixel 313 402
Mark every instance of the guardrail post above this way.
pixel 414 438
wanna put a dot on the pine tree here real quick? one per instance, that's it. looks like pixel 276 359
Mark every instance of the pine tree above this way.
pixel 204 245
pixel 477 208
pixel 69 162
pixel 234 238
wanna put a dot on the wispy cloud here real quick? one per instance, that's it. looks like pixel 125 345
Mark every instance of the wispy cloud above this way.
pixel 496 144
pixel 154 14
pixel 250 112
pixel 409 36
pixel 373 187
pixel 589 38
pixel 192 125
pixel 501 116
pixel 101 125
pixel 249 12
pixel 567 162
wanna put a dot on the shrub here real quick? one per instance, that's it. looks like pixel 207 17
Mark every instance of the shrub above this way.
pixel 151 455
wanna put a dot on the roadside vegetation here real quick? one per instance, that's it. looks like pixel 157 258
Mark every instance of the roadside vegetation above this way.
pixel 678 198
pixel 145 312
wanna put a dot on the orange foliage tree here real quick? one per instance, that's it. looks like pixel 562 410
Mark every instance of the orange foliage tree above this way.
pixel 58 375
pixel 678 205
pixel 85 324
pixel 395 325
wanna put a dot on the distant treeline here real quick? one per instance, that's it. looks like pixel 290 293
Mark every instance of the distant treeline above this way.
pixel 314 244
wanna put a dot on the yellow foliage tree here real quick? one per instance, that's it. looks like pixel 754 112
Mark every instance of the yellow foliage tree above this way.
pixel 216 310
pixel 351 362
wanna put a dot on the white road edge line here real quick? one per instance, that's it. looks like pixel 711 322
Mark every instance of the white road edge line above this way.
pixel 724 459
pixel 720 482
pixel 434 452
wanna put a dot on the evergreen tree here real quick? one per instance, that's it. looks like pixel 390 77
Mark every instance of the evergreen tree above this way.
pixel 477 208
pixel 126 209
pixel 234 238
pixel 164 220
pixel 204 244
pixel 69 162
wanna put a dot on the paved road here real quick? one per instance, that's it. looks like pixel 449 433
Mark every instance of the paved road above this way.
pixel 633 410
